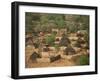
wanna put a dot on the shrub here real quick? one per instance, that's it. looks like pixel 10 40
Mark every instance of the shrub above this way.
pixel 83 60
pixel 50 39
pixel 56 47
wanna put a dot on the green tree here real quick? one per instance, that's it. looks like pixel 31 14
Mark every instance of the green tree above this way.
pixel 50 39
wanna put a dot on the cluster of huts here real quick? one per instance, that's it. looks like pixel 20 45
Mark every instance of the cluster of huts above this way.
pixel 68 45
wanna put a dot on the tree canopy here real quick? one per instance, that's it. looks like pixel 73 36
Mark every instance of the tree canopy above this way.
pixel 45 22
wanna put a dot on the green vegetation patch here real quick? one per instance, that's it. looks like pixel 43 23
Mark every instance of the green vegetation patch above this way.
pixel 83 60
pixel 50 39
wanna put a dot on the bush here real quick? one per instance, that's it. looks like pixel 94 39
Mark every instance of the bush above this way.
pixel 56 47
pixel 83 60
pixel 50 39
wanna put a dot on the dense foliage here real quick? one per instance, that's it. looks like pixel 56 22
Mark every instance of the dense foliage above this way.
pixel 45 22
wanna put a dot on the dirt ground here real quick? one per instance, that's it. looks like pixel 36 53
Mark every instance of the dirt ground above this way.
pixel 61 62
pixel 58 63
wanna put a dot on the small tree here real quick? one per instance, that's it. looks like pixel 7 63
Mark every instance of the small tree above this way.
pixel 50 39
